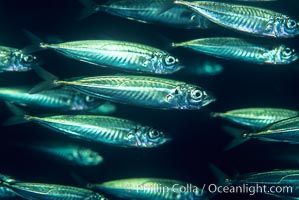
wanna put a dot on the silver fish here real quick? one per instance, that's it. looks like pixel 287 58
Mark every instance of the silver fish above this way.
pixel 104 129
pixel 251 20
pixel 121 55
pixel 42 191
pixel 240 49
pixel 74 154
pixel 282 131
pixel 63 99
pixel 145 91
pixel 15 60
pixel 287 180
pixel 257 118
pixel 150 188
pixel 205 68
pixel 148 12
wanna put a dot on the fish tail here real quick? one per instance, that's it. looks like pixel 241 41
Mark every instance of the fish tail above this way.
pixel 36 43
pixel 215 114
pixel 238 137
pixel 20 116
pixel 90 7
pixel 80 180
pixel 50 80
pixel 221 177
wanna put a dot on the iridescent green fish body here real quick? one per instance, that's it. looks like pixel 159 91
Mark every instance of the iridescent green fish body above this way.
pixel 145 91
pixel 150 188
pixel 120 55
pixel 41 191
pixel 104 129
pixel 282 131
pixel 257 118
pixel 63 99
pixel 148 12
pixel 251 20
pixel 240 49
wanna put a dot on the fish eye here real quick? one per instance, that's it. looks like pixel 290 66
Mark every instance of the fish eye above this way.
pixel 170 60
pixel 29 58
pixel 154 134
pixel 287 52
pixel 291 24
pixel 196 94
pixel 89 99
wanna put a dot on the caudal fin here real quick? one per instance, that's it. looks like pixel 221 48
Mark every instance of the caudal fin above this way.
pixel 19 115
pixel 49 82
pixel 36 43
pixel 237 134
pixel 90 7
pixel 221 177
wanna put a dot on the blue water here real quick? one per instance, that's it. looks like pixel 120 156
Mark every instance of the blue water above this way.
pixel 197 139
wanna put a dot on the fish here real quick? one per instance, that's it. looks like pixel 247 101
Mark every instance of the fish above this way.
pixel 285 131
pixel 266 182
pixel 16 60
pixel 286 179
pixel 62 99
pixel 71 153
pixel 150 188
pixel 144 91
pixel 205 68
pixel 96 128
pixel 44 191
pixel 257 118
pixel 148 12
pixel 242 50
pixel 246 19
pixel 121 55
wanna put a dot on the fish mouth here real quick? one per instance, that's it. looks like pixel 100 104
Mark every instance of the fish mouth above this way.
pixel 209 99
pixel 180 67
pixel 166 140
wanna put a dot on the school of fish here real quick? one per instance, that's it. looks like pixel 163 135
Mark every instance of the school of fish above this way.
pixel 80 107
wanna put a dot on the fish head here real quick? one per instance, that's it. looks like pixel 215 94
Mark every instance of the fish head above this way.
pixel 191 97
pixel 285 55
pixel 85 102
pixel 288 28
pixel 148 137
pixel 166 64
pixel 87 157
pixel 24 62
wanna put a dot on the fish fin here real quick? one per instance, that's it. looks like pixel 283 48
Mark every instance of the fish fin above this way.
pixel 81 181
pixel 219 174
pixel 45 85
pixel 238 136
pixel 90 7
pixel 215 114
pixel 44 74
pixel 19 115
pixel 166 6
pixel 36 43
pixel 15 109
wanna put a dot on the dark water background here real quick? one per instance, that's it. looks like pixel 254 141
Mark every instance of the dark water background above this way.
pixel 197 138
